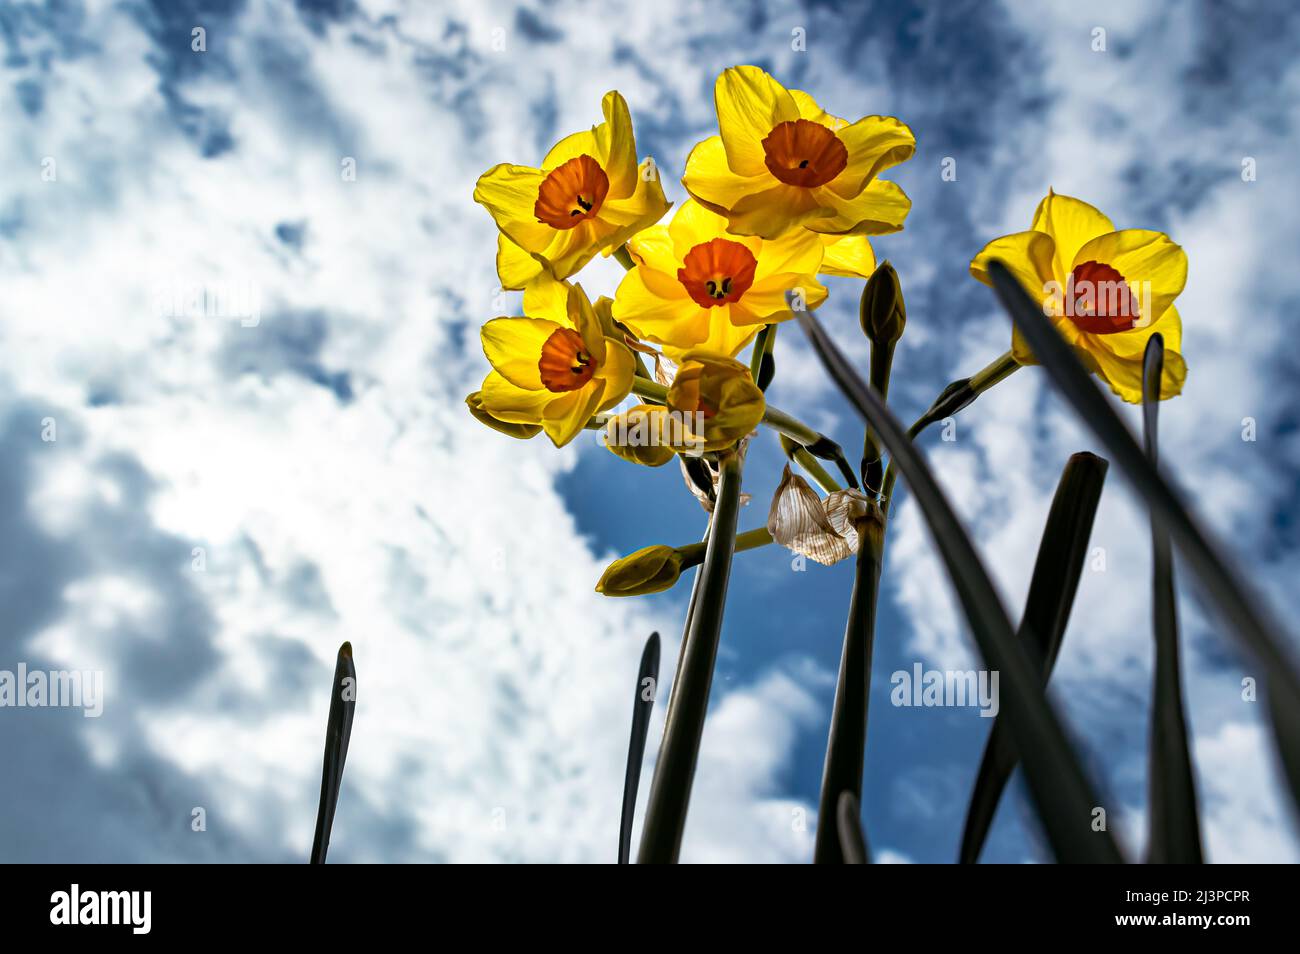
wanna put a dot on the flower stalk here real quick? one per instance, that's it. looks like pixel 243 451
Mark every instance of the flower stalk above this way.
pixel 670 789
pixel 846 745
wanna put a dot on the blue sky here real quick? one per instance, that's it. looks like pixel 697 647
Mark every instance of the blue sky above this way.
pixel 321 460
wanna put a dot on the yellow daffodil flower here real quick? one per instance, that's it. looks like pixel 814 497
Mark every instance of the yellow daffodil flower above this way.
pixel 1106 291
pixel 782 162
pixel 589 196
pixel 720 393
pixel 556 370
pixel 695 285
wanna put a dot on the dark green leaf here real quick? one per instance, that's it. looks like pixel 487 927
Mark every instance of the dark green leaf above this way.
pixel 338 730
pixel 642 703
pixel 1246 615
pixel 1062 794
pixel 1061 554
pixel 1175 832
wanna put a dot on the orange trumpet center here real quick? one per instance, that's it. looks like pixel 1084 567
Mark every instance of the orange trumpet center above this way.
pixel 572 193
pixel 804 153
pixel 565 364
pixel 1099 300
pixel 717 272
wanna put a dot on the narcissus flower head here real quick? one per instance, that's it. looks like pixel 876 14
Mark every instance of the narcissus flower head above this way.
pixel 554 368
pixel 695 285
pixel 588 196
pixel 648 570
pixel 1106 291
pixel 643 435
pixel 782 162
pixel 718 392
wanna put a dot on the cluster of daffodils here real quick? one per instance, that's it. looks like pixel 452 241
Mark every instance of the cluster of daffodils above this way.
pixel 784 195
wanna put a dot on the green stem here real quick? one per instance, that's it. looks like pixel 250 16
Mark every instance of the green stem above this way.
pixel 693 553
pixel 846 745
pixel 882 360
pixel 650 390
pixel 624 257
pixel 819 445
pixel 665 819
pixel 799 454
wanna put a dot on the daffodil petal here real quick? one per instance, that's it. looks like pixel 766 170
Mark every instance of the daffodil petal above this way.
pixel 1129 344
pixel 874 143
pixel 766 301
pixel 1071 223
pixel 581 143
pixel 799 250
pixel 725 335
pixel 878 209
pixel 1027 254
pixel 849 256
pixel 583 318
pixel 712 183
pixel 693 224
pixel 510 403
pixel 653 248
pixel 617 371
pixel 1124 373
pixel 509 193
pixel 808 109
pixel 568 414
pixel 774 211
pixel 643 208
pixel 1149 261
pixel 547 297
pixel 652 316
pixel 514 345
pixel 515 266
pixel 749 104
pixel 618 146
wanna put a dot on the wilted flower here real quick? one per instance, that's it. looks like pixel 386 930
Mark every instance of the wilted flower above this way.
pixel 826 531
pixel 555 371
pixel 1107 291
pixel 697 285
pixel 648 570
pixel 588 196
pixel 718 392
pixel 797 520
pixel 782 162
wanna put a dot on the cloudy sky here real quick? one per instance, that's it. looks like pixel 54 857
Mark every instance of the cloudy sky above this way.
pixel 224 502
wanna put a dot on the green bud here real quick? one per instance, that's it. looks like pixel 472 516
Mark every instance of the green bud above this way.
pixel 882 312
pixel 648 570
